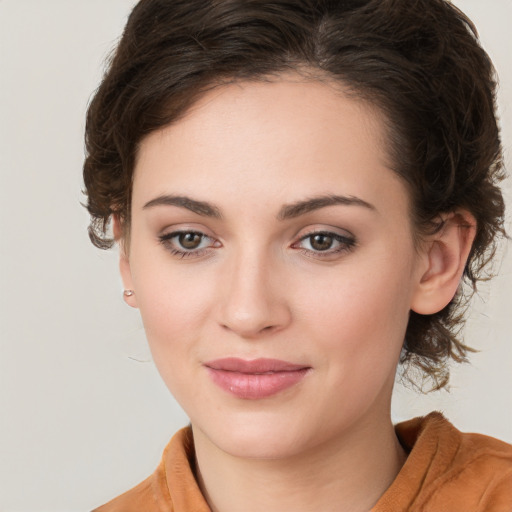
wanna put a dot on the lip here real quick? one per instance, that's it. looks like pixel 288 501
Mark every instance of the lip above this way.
pixel 255 379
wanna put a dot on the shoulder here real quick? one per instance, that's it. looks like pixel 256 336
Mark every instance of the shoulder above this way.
pixel 450 470
pixel 436 436
pixel 141 497
pixel 171 488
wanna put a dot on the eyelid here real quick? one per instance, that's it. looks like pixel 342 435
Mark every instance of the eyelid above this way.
pixel 324 229
pixel 347 242
pixel 343 242
pixel 185 227
pixel 166 238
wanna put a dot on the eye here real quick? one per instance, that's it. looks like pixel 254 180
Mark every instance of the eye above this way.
pixel 185 244
pixel 190 240
pixel 324 243
pixel 321 241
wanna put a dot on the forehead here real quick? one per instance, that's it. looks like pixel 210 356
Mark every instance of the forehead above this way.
pixel 281 139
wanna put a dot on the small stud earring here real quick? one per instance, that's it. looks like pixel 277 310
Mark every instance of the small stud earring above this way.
pixel 128 293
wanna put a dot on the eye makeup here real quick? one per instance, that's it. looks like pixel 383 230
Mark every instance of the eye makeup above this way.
pixel 321 244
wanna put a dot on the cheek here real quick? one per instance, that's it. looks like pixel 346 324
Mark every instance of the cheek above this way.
pixel 358 334
pixel 174 306
pixel 173 320
pixel 360 315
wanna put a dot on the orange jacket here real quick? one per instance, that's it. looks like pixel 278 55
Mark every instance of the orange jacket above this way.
pixel 446 471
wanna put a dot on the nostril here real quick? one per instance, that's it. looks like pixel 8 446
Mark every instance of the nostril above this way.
pixel 248 330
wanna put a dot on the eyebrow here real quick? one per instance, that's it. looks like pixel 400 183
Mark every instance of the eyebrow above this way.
pixel 200 207
pixel 315 203
pixel 289 211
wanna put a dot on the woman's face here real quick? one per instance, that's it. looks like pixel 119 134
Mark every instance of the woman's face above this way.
pixel 272 260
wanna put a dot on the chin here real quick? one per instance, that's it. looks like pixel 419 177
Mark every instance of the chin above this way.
pixel 247 446
pixel 265 437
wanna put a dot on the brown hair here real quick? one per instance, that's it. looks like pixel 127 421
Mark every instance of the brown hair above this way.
pixel 419 61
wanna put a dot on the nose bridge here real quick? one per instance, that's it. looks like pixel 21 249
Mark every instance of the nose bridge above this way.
pixel 252 302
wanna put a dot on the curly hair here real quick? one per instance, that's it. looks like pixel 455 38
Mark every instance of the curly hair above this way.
pixel 418 61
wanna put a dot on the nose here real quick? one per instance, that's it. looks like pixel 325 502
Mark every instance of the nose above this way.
pixel 253 300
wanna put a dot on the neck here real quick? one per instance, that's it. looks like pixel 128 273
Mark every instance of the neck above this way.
pixel 347 474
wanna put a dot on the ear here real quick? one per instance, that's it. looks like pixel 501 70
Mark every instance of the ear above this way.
pixel 443 261
pixel 124 262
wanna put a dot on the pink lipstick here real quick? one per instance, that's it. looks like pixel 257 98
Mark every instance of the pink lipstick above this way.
pixel 255 379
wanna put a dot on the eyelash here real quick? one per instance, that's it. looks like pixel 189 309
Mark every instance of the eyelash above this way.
pixel 346 244
pixel 166 241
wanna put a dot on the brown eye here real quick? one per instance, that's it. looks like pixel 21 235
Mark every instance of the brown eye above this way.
pixel 325 244
pixel 188 244
pixel 321 242
pixel 190 240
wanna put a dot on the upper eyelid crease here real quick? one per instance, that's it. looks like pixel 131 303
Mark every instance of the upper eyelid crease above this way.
pixel 336 236
pixel 290 211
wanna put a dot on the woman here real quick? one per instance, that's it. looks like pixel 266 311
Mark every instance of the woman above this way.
pixel 297 189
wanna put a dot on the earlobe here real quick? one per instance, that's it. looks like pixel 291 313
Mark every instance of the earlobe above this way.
pixel 445 257
pixel 124 263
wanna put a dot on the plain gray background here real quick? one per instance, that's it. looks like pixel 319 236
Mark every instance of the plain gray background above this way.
pixel 84 415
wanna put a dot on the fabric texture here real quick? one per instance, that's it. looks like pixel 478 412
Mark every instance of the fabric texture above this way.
pixel 445 471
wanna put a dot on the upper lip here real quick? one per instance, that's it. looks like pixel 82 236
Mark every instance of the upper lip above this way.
pixel 254 366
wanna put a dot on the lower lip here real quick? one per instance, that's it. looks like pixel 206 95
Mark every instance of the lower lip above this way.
pixel 254 386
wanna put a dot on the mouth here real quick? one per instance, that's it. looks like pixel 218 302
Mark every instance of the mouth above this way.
pixel 255 379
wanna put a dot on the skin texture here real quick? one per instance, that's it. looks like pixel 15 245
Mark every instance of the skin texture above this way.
pixel 256 286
